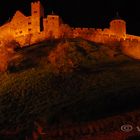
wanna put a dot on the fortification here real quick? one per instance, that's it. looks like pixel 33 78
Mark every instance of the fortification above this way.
pixel 52 26
pixel 118 27
pixel 31 29
pixel 37 15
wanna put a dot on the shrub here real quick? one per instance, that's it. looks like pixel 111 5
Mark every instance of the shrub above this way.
pixel 6 53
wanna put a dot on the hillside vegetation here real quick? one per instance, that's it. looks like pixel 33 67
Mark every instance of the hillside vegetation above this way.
pixel 68 80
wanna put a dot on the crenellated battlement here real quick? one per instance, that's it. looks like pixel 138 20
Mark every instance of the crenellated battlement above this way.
pixel 37 26
pixel 35 3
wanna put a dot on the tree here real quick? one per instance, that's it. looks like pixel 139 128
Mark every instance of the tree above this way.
pixel 7 50
pixel 65 58
pixel 66 31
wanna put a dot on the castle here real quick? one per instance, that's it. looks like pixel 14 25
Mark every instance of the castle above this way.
pixel 31 29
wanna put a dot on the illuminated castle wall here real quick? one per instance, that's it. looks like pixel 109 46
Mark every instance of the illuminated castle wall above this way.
pixel 40 27
pixel 25 29
pixel 31 29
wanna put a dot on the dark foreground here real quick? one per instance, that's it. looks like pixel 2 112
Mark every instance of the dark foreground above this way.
pixel 86 98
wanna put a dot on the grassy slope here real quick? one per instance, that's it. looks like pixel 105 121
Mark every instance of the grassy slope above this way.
pixel 100 86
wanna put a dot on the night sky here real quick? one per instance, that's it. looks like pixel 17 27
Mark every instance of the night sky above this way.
pixel 81 13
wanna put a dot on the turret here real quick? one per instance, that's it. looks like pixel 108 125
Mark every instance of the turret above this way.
pixel 37 14
pixel 52 25
pixel 118 27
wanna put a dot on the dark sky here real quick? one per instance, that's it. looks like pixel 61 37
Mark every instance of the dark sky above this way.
pixel 86 13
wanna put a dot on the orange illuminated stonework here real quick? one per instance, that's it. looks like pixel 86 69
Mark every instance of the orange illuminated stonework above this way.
pixel 31 29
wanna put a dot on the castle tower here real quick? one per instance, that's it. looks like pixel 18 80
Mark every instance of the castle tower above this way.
pixel 52 26
pixel 37 15
pixel 118 27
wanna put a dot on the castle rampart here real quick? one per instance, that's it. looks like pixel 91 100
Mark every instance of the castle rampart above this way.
pixel 31 29
pixel 52 27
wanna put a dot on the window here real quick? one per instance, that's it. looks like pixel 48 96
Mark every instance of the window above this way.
pixel 35 11
pixel 20 32
pixel 29 29
pixel 29 23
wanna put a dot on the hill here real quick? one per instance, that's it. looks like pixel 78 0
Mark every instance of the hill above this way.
pixel 65 81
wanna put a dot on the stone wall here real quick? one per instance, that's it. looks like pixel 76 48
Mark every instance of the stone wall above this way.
pixel 5 30
pixel 118 27
pixel 28 30
pixel 30 39
pixel 19 24
pixel 131 47
pixel 52 26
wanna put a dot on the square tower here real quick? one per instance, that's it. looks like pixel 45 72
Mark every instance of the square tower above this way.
pixel 37 15
pixel 52 26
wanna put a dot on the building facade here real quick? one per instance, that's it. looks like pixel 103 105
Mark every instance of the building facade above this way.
pixel 31 29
